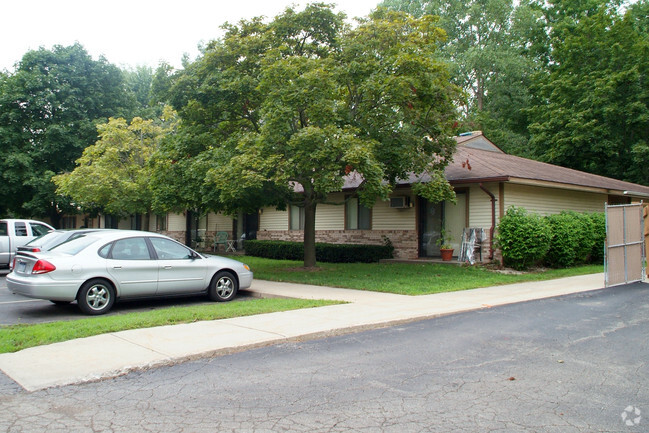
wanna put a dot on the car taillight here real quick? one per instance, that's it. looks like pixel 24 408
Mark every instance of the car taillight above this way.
pixel 35 250
pixel 43 267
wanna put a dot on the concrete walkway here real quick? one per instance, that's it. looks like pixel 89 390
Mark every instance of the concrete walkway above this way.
pixel 114 354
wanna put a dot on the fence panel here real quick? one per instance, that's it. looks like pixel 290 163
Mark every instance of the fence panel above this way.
pixel 625 252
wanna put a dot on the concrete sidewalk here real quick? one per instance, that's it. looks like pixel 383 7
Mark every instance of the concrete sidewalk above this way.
pixel 110 355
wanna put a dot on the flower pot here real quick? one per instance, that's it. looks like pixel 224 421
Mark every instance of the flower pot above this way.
pixel 447 254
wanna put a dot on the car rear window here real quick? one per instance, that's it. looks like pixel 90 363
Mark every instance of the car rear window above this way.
pixel 75 245
pixel 48 240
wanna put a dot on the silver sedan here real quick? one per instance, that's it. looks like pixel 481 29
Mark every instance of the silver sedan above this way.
pixel 105 266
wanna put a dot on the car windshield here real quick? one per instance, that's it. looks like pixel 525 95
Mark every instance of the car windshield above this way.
pixel 73 246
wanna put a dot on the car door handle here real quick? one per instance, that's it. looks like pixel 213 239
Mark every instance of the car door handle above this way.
pixel 117 267
pixel 167 267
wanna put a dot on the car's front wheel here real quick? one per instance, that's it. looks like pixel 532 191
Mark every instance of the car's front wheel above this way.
pixel 224 287
pixel 96 297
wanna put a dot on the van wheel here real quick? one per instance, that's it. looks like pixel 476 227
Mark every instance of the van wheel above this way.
pixel 96 297
pixel 224 287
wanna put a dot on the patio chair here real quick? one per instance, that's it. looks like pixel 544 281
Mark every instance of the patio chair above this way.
pixel 221 238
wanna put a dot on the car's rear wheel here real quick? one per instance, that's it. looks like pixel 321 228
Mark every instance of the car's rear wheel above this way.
pixel 96 297
pixel 224 287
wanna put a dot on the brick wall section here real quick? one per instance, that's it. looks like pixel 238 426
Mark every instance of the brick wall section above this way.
pixel 404 241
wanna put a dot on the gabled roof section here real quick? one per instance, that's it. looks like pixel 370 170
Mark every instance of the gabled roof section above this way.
pixel 477 165
pixel 477 140
pixel 479 160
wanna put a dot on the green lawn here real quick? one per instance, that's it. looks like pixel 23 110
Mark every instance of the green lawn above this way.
pixel 18 337
pixel 400 278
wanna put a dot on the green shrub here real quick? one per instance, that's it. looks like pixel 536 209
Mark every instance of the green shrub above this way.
pixel 599 237
pixel 572 240
pixel 523 238
pixel 331 253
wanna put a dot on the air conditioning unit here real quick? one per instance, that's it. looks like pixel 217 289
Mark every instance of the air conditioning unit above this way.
pixel 401 202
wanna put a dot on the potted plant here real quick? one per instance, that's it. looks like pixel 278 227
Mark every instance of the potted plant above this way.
pixel 445 248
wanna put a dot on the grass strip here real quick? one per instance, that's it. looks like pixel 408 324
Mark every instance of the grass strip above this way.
pixel 401 278
pixel 17 337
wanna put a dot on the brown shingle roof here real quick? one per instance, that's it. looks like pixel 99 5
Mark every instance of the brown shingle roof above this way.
pixel 486 166
pixel 472 165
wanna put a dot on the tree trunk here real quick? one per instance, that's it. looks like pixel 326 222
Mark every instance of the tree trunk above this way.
pixel 309 235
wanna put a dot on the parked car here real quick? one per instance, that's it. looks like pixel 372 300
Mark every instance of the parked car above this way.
pixel 52 239
pixel 14 233
pixel 105 266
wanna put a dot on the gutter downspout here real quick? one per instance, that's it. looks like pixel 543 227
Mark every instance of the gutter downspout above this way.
pixel 493 220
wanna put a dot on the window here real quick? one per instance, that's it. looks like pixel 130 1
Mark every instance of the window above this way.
pixel 39 229
pixel 130 249
pixel 111 222
pixel 357 216
pixel 21 229
pixel 68 222
pixel 170 250
pixel 161 223
pixel 296 218
pixel 3 228
pixel 136 222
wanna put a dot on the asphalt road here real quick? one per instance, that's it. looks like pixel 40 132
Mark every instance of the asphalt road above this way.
pixel 16 309
pixel 571 364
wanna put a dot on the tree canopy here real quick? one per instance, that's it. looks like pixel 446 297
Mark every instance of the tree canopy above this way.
pixel 593 105
pixel 563 81
pixel 113 174
pixel 48 111
pixel 296 104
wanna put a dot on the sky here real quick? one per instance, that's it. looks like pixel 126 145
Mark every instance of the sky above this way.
pixel 130 33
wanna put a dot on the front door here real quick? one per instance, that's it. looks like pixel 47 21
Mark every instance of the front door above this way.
pixel 430 227
pixel 435 216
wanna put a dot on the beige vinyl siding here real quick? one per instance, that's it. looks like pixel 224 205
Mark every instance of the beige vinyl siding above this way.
pixel 546 201
pixel 176 222
pixel 331 216
pixel 480 206
pixel 273 219
pixel 152 222
pixel 124 223
pixel 386 218
pixel 217 222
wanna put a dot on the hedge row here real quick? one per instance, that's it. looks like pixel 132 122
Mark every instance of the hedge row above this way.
pixel 561 240
pixel 331 253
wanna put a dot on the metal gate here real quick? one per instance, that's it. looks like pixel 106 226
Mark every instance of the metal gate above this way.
pixel 624 252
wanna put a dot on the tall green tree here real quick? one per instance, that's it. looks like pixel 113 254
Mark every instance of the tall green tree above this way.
pixel 48 110
pixel 592 112
pixel 297 104
pixel 139 81
pixel 113 174
pixel 493 47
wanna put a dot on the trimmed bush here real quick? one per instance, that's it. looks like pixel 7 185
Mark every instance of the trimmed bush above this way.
pixel 572 241
pixel 599 237
pixel 331 253
pixel 523 238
